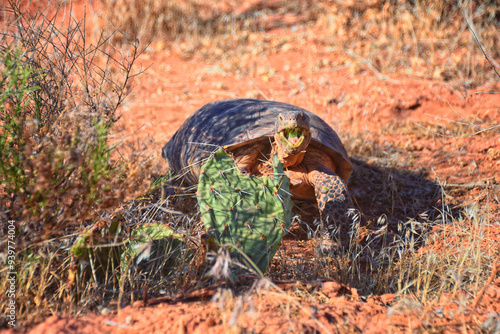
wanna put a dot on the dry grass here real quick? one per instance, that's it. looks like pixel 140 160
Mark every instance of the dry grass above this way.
pixel 406 241
pixel 452 130
pixel 59 95
pixel 421 39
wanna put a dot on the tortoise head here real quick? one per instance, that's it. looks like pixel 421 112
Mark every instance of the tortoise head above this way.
pixel 293 132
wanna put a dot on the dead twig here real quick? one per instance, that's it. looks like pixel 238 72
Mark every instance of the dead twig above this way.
pixel 493 64
pixel 472 185
pixel 493 274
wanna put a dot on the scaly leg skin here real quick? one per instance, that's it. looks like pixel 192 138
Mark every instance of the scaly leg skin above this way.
pixel 334 201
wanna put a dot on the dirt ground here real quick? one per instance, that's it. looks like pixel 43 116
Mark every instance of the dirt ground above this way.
pixel 429 127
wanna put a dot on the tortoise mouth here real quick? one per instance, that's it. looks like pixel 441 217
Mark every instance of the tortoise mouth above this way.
pixel 293 137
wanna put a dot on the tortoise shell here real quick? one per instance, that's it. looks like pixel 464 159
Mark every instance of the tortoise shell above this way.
pixel 237 122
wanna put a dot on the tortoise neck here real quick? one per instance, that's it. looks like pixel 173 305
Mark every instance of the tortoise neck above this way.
pixel 288 160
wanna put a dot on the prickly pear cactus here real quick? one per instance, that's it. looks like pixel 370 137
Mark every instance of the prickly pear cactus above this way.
pixel 152 247
pixel 251 213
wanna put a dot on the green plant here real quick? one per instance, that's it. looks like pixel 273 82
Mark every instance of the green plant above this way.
pixel 99 253
pixel 244 212
pixel 152 243
pixel 59 95
pixel 16 93
pixel 108 249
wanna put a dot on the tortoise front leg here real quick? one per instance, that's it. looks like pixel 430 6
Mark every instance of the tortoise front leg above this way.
pixel 334 201
pixel 332 196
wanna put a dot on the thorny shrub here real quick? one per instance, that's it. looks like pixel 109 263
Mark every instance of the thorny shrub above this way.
pixel 59 95
pixel 60 99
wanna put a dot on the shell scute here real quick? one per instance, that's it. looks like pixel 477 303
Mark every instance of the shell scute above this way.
pixel 237 122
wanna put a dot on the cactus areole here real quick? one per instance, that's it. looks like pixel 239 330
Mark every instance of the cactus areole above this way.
pixel 253 132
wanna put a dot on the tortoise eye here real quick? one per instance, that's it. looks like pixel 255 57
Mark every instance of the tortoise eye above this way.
pixel 280 116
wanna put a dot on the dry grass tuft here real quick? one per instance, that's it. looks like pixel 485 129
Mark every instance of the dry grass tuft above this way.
pixel 423 39
pixel 198 18
pixel 418 38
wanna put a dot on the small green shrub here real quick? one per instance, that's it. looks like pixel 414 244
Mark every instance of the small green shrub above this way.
pixel 59 99
pixel 16 93
pixel 59 96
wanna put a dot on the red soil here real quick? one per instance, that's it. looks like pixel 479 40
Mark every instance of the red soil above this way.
pixel 352 102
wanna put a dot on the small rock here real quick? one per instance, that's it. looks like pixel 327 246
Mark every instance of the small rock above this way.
pixel 138 304
pixel 354 293
pixel 331 289
pixel 287 47
pixel 211 321
pixel 387 298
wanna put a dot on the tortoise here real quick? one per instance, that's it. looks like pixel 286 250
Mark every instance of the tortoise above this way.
pixel 253 131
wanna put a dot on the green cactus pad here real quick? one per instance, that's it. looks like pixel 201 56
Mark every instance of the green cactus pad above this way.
pixel 149 246
pixel 94 247
pixel 152 241
pixel 251 213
